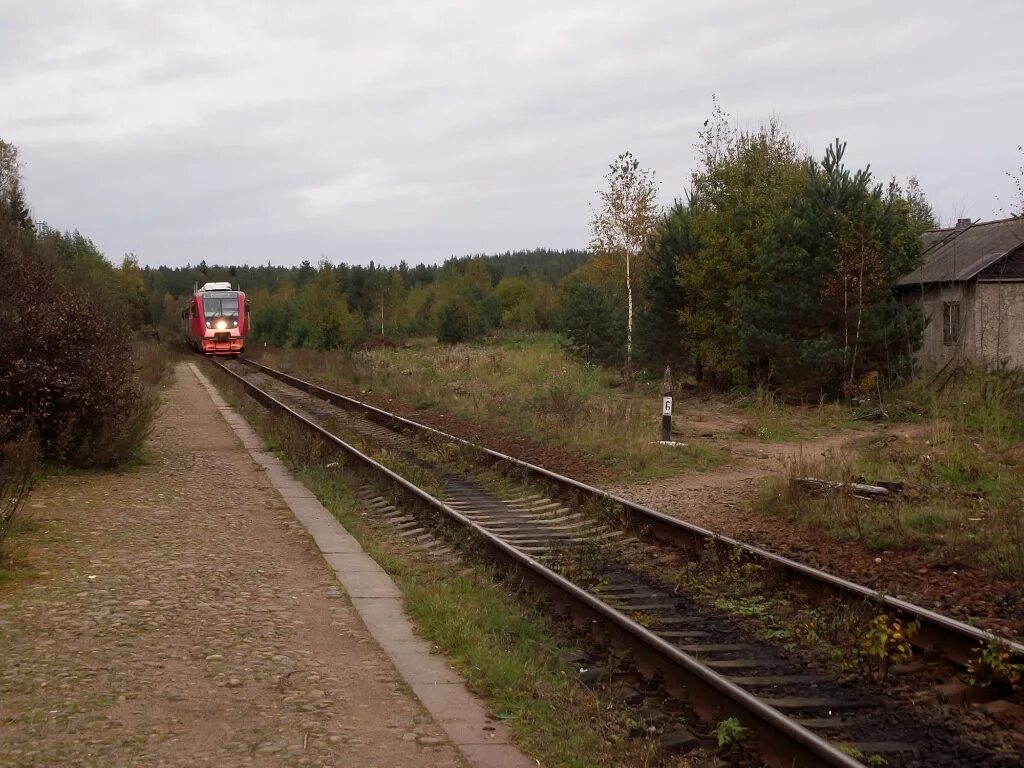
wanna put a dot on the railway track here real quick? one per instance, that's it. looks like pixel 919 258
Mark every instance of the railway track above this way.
pixel 799 717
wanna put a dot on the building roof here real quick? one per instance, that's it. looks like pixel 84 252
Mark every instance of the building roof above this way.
pixel 957 255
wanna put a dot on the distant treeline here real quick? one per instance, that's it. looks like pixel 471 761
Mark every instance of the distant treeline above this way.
pixel 329 306
pixel 772 268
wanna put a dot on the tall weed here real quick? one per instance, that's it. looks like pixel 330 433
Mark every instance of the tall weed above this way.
pixel 988 402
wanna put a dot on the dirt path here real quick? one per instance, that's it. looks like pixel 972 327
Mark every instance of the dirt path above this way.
pixel 705 497
pixel 181 618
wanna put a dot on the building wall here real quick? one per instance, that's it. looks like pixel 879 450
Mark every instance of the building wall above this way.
pixel 999 319
pixel 934 351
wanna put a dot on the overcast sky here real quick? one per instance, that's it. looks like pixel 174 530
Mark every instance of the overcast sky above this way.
pixel 243 131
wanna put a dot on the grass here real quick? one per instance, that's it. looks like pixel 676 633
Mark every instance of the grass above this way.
pixel 771 421
pixel 963 468
pixel 524 385
pixel 508 650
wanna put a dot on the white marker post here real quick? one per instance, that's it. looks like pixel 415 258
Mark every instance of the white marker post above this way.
pixel 666 407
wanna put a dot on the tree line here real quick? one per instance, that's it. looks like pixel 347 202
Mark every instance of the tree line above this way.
pixel 340 306
pixel 773 268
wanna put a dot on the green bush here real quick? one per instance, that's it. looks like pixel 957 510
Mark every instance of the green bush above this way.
pixel 453 325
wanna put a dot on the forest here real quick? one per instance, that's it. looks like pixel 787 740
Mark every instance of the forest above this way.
pixel 341 306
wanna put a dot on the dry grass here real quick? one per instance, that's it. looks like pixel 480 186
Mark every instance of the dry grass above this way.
pixel 963 468
pixel 523 385
pixel 769 420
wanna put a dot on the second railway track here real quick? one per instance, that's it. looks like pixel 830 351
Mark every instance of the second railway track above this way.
pixel 799 716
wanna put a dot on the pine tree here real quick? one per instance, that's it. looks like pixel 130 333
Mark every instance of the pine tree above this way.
pixel 17 207
pixel 660 338
pixel 825 313
pixel 588 317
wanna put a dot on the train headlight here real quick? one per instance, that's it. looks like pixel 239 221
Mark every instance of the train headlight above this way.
pixel 207 323
pixel 222 324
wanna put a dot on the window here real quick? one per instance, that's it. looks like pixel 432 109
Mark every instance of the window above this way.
pixel 220 305
pixel 950 323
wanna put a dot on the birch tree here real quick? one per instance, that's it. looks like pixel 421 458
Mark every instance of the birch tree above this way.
pixel 626 218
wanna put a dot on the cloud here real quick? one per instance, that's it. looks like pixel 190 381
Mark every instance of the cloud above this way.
pixel 251 131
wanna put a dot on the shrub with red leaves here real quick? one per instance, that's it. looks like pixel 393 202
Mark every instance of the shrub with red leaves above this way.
pixel 66 367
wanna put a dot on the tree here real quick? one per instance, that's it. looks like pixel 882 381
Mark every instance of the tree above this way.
pixel 13 206
pixel 744 184
pixel 825 313
pixel 392 301
pixel 660 340
pixel 588 318
pixel 453 323
pixel 132 289
pixel 620 228
pixel 17 208
pixel 921 212
pixel 323 320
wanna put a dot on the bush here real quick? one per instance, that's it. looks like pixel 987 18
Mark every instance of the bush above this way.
pixel 453 325
pixel 68 372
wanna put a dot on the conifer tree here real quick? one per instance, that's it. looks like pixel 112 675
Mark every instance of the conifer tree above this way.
pixel 825 313
pixel 660 339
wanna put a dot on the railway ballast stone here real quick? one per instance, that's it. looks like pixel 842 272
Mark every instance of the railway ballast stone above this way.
pixel 179 616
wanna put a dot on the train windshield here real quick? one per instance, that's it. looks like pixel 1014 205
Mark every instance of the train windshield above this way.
pixel 220 305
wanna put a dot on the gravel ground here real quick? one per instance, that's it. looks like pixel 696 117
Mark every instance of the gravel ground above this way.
pixel 181 617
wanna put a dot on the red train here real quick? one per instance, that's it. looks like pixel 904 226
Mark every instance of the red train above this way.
pixel 216 320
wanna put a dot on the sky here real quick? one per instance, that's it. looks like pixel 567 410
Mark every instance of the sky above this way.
pixel 255 131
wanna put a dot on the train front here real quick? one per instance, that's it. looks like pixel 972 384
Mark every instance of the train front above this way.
pixel 225 316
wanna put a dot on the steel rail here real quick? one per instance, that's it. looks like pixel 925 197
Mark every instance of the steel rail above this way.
pixel 958 642
pixel 781 741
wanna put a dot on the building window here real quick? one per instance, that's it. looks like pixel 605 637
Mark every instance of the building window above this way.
pixel 950 323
